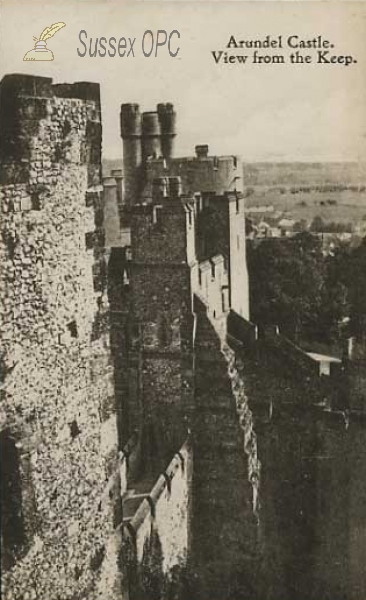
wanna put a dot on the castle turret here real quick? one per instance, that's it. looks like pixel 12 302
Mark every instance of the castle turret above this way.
pixel 151 139
pixel 57 380
pixel 131 136
pixel 167 119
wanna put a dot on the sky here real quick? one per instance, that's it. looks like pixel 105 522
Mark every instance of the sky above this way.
pixel 275 112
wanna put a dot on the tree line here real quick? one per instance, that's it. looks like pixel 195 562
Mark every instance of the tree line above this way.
pixel 308 294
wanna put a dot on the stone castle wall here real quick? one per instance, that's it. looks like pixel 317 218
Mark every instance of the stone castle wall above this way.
pixel 226 474
pixel 58 397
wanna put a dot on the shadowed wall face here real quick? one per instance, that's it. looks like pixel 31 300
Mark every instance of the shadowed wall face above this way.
pixel 161 308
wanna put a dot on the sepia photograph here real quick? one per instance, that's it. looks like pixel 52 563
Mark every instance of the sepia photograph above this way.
pixel 183 300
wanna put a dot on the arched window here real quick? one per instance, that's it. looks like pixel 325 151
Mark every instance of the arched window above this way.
pixel 164 333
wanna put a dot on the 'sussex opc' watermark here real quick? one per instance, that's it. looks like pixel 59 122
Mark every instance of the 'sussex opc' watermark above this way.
pixel 151 44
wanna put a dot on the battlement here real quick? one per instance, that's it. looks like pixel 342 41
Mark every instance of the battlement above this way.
pixel 207 199
pixel 138 507
pixel 165 187
pixel 200 173
pixel 171 204
pixel 201 154
pixel 42 87
pixel 212 286
pixel 66 117
pixel 148 140
pixel 147 510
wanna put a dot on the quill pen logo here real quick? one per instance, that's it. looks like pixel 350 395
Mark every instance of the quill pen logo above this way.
pixel 40 50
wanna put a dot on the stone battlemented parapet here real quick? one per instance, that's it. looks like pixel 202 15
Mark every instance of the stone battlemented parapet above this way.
pixel 26 103
pixel 156 529
pixel 200 173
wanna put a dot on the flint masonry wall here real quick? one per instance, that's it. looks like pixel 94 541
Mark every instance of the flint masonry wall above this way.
pixel 161 358
pixel 58 397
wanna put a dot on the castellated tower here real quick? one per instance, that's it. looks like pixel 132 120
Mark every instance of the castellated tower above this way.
pixel 58 436
pixel 161 354
pixel 132 152
pixel 167 118
pixel 146 137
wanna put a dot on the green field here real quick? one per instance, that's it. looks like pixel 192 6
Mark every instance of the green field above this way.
pixel 334 191
pixel 331 206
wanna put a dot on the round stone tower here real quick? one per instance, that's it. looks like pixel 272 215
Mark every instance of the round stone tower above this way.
pixel 132 152
pixel 151 135
pixel 167 119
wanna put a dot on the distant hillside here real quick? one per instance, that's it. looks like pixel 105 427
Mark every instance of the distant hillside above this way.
pixel 292 174
pixel 108 164
pixel 336 192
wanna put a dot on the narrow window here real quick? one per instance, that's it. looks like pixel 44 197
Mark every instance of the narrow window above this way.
pixel 89 240
pixel 223 303
pixel 157 215
pixel 66 128
pixel 74 429
pixel 163 331
pixel 35 202
pixel 73 329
